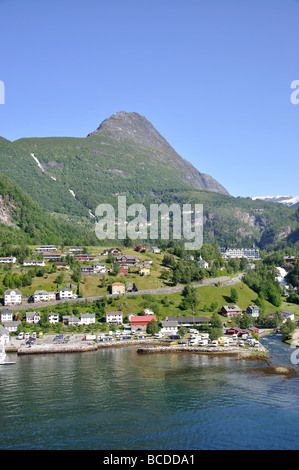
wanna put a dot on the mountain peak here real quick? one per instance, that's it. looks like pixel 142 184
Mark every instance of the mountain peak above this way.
pixel 130 126
pixel 139 133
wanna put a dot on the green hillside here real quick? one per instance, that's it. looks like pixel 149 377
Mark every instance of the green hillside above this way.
pixel 24 221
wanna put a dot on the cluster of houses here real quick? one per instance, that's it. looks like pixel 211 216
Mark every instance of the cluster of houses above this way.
pixel 253 311
pixel 15 297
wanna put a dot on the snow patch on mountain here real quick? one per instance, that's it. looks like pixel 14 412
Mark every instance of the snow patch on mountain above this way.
pixel 37 162
pixel 286 200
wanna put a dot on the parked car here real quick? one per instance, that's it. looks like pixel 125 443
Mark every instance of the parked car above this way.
pixel 214 342
pixel 21 335
pixel 203 342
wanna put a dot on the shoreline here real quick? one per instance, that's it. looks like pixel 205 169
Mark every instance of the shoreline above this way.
pixel 152 347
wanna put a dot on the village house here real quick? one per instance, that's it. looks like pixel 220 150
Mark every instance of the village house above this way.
pixel 70 320
pixel 34 262
pixel 131 287
pixel 144 270
pixel 45 248
pixel 140 322
pixel 140 248
pixel 112 251
pixel 65 293
pixel 253 311
pixel 285 315
pixel 12 297
pixel 114 317
pixel 155 249
pixel 87 318
pixel 250 266
pixel 53 318
pixel 169 327
pixel 235 330
pixel 132 260
pixel 32 317
pixel 75 249
pixel 84 257
pixel 43 296
pixel 94 269
pixel 11 326
pixel 117 288
pixel 7 315
pixel 124 270
pixel 8 259
pixel 4 336
pixel 52 256
pixel 62 265
pixel 230 310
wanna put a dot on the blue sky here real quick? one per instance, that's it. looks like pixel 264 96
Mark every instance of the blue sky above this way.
pixel 213 77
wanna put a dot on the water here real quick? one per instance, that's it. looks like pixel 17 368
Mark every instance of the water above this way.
pixel 116 399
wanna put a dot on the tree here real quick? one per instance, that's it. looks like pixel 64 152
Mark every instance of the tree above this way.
pixel 152 327
pixel 216 321
pixel 215 333
pixel 245 321
pixel 287 329
pixel 234 295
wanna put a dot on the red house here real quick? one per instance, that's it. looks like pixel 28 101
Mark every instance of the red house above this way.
pixel 140 248
pixel 124 270
pixel 140 322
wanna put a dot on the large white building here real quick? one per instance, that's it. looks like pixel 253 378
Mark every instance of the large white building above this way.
pixel 249 253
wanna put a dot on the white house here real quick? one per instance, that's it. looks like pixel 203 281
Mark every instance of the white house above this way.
pixel 65 293
pixel 7 259
pixel 6 315
pixel 114 317
pixel 87 318
pixel 34 262
pixel 4 335
pixel 12 297
pixel 33 317
pixel 11 326
pixel 43 296
pixel 155 249
pixel 53 318
pixel 253 311
pixel 45 248
pixel 169 327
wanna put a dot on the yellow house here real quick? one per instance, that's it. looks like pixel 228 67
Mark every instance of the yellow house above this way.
pixel 117 288
pixel 144 270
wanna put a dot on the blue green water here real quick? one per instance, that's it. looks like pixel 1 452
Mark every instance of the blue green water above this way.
pixel 116 399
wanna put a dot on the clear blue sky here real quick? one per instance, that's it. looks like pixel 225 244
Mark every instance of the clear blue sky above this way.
pixel 213 76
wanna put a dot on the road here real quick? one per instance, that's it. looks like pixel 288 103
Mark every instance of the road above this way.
pixel 222 281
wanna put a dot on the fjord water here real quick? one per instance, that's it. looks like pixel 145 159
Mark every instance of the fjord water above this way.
pixel 116 399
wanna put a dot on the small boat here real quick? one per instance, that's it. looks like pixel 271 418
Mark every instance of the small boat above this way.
pixel 3 362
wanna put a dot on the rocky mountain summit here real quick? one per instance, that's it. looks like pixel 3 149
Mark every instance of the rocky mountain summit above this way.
pixel 139 132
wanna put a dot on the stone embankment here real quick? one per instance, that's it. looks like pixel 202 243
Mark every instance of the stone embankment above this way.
pixel 253 352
